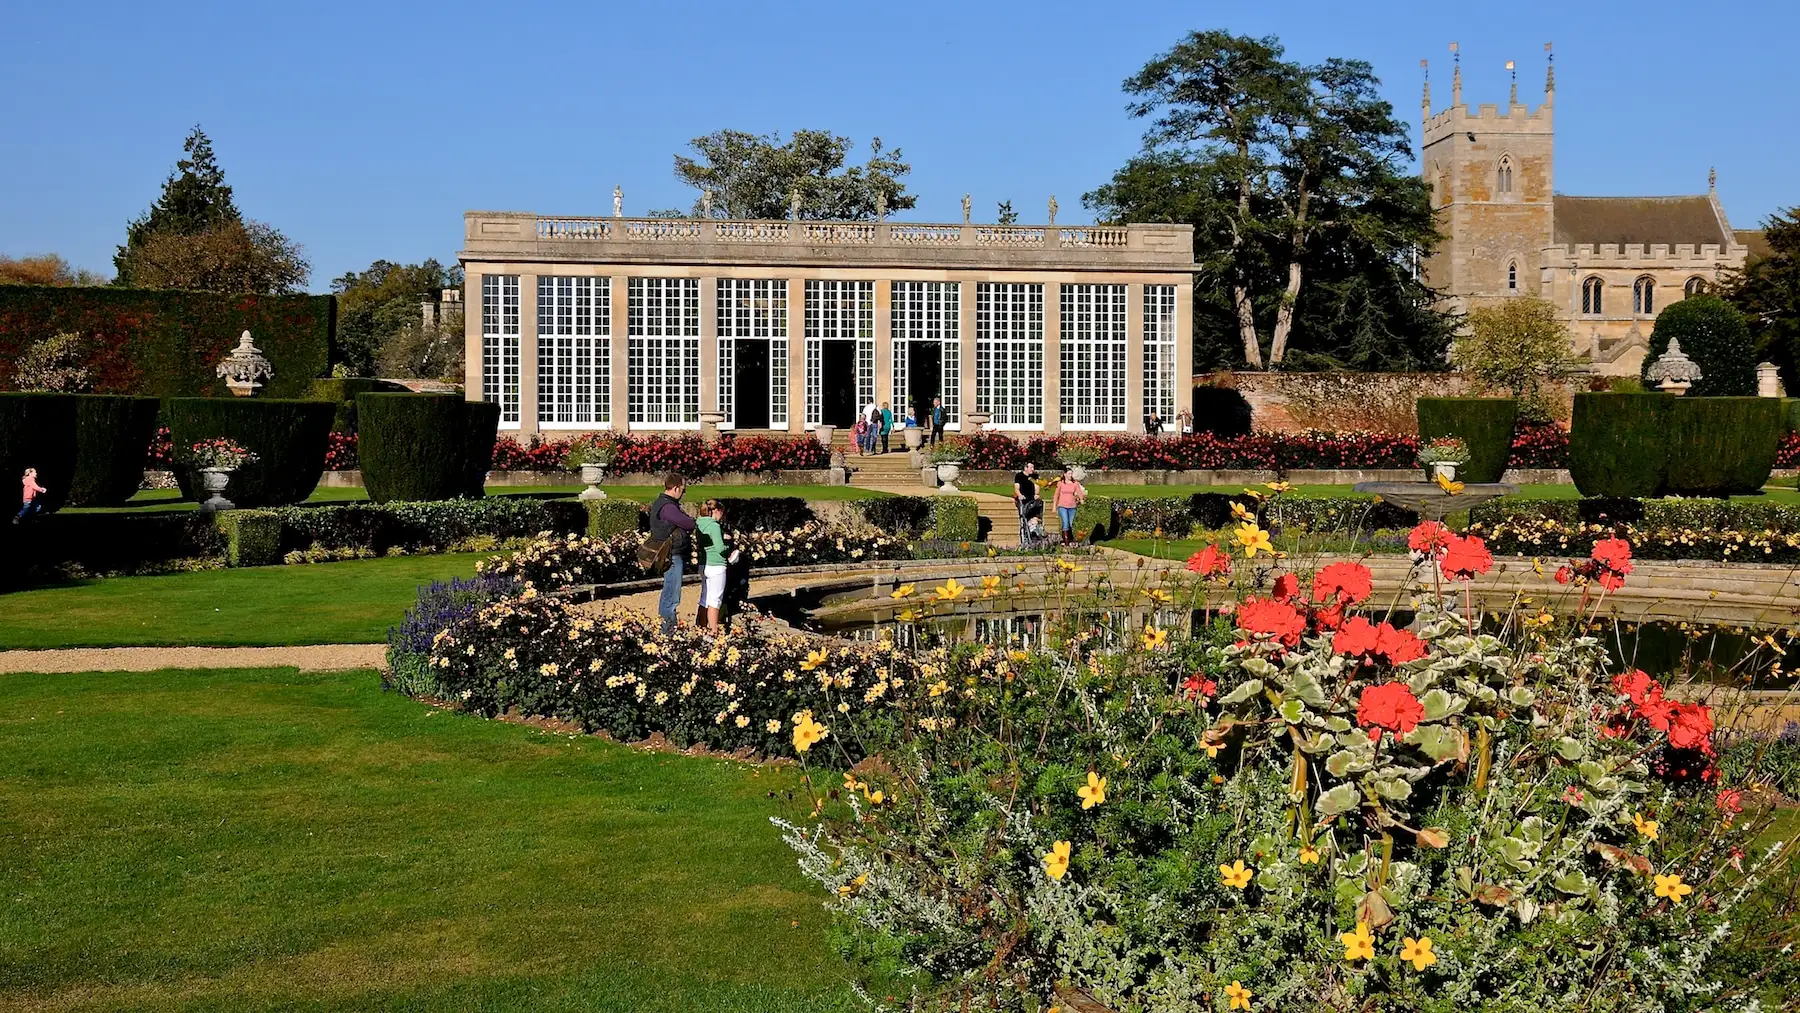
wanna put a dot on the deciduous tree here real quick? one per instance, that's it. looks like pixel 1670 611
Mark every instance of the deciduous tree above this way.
pixel 1517 345
pixel 232 256
pixel 1767 292
pixel 376 306
pixel 755 176
pixel 1289 173
pixel 48 269
pixel 195 199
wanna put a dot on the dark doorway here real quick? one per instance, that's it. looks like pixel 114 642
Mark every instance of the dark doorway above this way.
pixel 837 383
pixel 924 377
pixel 750 385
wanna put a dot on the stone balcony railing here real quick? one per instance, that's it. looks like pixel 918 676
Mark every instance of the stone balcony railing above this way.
pixel 500 237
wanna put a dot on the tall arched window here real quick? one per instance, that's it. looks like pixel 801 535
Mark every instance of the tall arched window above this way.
pixel 1512 276
pixel 1505 181
pixel 1694 286
pixel 1643 296
pixel 1590 296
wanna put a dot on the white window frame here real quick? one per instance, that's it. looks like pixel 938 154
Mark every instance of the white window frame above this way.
pixel 663 347
pixel 1159 351
pixel 838 310
pixel 1093 358
pixel 1009 353
pixel 751 309
pixel 574 352
pixel 500 345
pixel 928 311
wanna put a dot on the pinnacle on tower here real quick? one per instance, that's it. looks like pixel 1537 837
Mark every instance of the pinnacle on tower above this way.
pixel 1512 98
pixel 1425 65
pixel 1456 76
pixel 1549 73
pixel 1712 181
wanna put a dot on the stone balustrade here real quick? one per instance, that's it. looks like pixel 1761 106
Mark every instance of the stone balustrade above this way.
pixel 503 236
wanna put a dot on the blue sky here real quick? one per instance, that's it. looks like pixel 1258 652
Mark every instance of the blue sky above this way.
pixel 365 130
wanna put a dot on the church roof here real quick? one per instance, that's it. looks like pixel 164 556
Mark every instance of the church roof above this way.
pixel 1757 242
pixel 1641 220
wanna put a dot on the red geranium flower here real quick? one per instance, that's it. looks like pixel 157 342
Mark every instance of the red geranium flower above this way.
pixel 1361 638
pixel 1356 638
pixel 1399 646
pixel 1730 800
pixel 1196 686
pixel 1286 587
pixel 1691 727
pixel 1210 562
pixel 1350 583
pixel 1610 580
pixel 1637 685
pixel 1267 616
pixel 1391 707
pixel 1614 554
pixel 1466 557
pixel 1564 575
pixel 1429 537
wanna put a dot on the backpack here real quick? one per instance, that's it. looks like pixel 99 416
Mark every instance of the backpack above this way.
pixel 653 556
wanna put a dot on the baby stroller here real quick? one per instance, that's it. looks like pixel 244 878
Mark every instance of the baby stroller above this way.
pixel 1031 529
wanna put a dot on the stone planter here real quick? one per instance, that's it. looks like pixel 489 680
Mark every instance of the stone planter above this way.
pixel 948 472
pixel 914 436
pixel 825 433
pixel 214 480
pixel 591 476
pixel 1446 469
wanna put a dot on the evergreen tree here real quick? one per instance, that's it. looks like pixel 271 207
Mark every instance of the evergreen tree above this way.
pixel 1767 292
pixel 195 199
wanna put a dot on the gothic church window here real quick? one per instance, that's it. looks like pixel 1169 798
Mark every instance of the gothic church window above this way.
pixel 1694 286
pixel 1512 276
pixel 1590 296
pixel 1506 175
pixel 1643 296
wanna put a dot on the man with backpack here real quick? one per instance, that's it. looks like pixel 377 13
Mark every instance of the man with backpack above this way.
pixel 669 528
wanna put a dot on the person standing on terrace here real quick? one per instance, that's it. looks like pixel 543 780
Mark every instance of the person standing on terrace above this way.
pixel 668 520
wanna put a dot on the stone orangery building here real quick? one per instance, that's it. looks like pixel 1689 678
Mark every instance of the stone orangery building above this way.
pixel 643 324
pixel 1607 263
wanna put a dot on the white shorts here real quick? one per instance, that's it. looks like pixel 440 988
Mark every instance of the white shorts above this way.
pixel 712 586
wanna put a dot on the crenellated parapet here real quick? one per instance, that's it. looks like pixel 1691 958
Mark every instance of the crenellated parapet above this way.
pixel 1516 119
pixel 1637 255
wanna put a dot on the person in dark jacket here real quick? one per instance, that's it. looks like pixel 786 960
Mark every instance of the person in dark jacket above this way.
pixel 937 420
pixel 668 520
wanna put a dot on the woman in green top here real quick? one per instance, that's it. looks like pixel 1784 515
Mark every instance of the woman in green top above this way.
pixel 712 561
pixel 887 425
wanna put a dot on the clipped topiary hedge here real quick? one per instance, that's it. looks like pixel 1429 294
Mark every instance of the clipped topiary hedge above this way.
pixel 1221 411
pixel 955 519
pixel 1619 444
pixel 37 431
pixel 167 343
pixel 252 537
pixel 1094 519
pixel 1722 446
pixel 289 439
pixel 413 446
pixel 112 433
pixel 481 429
pixel 1484 423
pixel 609 517
pixel 1713 334
pixel 906 516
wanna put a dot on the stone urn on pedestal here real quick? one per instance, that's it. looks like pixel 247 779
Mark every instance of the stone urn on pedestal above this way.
pixel 824 433
pixel 709 426
pixel 214 480
pixel 245 368
pixel 948 472
pixel 591 476
pixel 914 437
pixel 591 459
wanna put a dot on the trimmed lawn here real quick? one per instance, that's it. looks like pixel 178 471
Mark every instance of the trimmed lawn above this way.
pixel 352 602
pixel 262 840
pixel 151 500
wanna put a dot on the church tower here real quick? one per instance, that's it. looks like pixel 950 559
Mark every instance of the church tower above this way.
pixel 1490 172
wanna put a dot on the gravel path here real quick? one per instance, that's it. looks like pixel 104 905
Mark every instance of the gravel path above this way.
pixel 320 658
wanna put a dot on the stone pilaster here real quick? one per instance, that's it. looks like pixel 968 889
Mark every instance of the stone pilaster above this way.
pixel 796 355
pixel 472 335
pixel 709 344
pixel 1184 351
pixel 884 344
pixel 965 320
pixel 619 294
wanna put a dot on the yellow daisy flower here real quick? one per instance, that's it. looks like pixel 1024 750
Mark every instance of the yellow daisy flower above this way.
pixel 1092 793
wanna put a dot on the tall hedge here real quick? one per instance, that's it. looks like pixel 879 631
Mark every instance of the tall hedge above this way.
pixel 288 437
pixel 1722 446
pixel 418 447
pixel 481 428
pixel 1619 443
pixel 1220 411
pixel 37 431
pixel 168 343
pixel 112 432
pixel 1484 423
pixel 344 390
pixel 1713 334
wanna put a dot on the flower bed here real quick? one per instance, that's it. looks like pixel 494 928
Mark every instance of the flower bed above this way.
pixel 1537 447
pixel 655 455
pixel 1656 529
pixel 1299 806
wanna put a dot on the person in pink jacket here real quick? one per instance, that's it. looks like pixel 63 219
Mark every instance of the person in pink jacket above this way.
pixel 32 491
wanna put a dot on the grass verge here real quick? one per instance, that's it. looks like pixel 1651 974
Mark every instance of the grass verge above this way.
pixel 261 840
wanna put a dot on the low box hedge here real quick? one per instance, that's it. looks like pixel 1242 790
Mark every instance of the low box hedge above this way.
pixel 1094 519
pixel 955 519
pixel 609 517
pixel 38 431
pixel 412 526
pixel 289 439
pixel 1484 423
pixel 252 537
pixel 112 435
pixel 107 543
pixel 907 516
